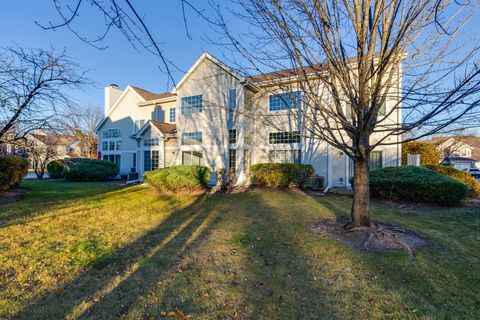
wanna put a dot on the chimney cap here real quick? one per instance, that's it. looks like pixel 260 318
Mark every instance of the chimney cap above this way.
pixel 114 85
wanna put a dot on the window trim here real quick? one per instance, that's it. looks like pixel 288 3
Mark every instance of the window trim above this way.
pixel 196 140
pixel 193 109
pixel 293 105
pixel 232 136
pixel 285 139
pixel 172 115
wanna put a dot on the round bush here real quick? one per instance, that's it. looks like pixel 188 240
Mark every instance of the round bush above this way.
pixel 55 169
pixel 12 171
pixel 91 170
pixel 179 178
pixel 416 184
pixel 281 175
pixel 462 176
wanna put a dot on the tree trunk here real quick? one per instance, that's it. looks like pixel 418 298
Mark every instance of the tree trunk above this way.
pixel 361 195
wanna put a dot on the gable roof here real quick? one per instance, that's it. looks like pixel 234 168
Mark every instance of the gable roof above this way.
pixel 205 56
pixel 163 127
pixel 148 95
pixel 54 139
pixel 469 140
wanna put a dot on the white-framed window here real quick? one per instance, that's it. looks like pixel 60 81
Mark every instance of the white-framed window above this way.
pixel 232 136
pixel 376 160
pixel 111 145
pixel 189 138
pixel 172 112
pixel 285 156
pixel 192 158
pixel 232 159
pixel 285 101
pixel 232 99
pixel 151 142
pixel 115 158
pixel 105 145
pixel 111 133
pixel 284 137
pixel 191 104
pixel 137 124
pixel 118 145
pixel 150 160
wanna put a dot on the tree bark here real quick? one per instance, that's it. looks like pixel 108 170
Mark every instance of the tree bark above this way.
pixel 361 195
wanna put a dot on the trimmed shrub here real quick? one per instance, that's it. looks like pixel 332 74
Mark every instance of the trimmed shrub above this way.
pixel 12 171
pixel 416 184
pixel 281 175
pixel 91 170
pixel 462 176
pixel 179 178
pixel 429 154
pixel 55 169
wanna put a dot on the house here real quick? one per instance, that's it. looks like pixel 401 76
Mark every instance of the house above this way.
pixel 60 146
pixel 460 152
pixel 217 118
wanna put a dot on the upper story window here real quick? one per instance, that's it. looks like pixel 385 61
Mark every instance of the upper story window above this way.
pixel 232 136
pixel 285 101
pixel 172 112
pixel 189 138
pixel 151 142
pixel 158 114
pixel 192 104
pixel 111 133
pixel 284 137
pixel 232 99
pixel 137 125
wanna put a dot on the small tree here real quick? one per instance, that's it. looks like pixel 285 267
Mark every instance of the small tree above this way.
pixel 429 154
pixel 40 154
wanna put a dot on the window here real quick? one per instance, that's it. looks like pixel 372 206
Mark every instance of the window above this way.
pixel 284 156
pixel 105 157
pixel 189 138
pixel 172 114
pixel 111 133
pixel 192 157
pixel 137 125
pixel 134 162
pixel 232 99
pixel 105 145
pixel 150 160
pixel 111 145
pixel 376 160
pixel 118 145
pixel 151 142
pixel 232 136
pixel 284 137
pixel 383 107
pixel 232 159
pixel 192 104
pixel 285 101
pixel 248 100
pixel 115 158
pixel 157 114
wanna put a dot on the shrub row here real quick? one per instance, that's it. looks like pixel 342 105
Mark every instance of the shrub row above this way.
pixel 462 176
pixel 12 171
pixel 416 184
pixel 91 170
pixel 281 175
pixel 179 178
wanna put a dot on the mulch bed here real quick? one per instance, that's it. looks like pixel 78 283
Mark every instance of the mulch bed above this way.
pixel 382 237
pixel 12 195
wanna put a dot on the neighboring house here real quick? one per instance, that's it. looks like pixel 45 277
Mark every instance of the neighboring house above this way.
pixel 461 152
pixel 215 117
pixel 63 146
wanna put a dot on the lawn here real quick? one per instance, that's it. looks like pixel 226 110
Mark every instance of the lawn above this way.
pixel 80 250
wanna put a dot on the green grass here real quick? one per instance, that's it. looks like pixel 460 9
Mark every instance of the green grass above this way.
pixel 80 250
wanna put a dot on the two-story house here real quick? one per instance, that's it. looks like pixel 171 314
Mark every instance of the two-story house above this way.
pixel 217 118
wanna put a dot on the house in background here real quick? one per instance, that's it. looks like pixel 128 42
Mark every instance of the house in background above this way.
pixel 460 152
pixel 63 146
pixel 217 118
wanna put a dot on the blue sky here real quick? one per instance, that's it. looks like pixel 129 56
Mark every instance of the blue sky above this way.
pixel 119 63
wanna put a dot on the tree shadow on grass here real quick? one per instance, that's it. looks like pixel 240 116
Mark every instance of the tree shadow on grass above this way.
pixel 107 290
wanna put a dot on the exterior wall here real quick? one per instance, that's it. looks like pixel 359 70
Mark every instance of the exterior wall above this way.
pixel 213 83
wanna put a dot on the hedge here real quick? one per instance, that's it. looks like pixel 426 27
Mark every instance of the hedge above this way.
pixel 416 184
pixel 12 171
pixel 429 154
pixel 462 176
pixel 179 178
pixel 91 170
pixel 55 169
pixel 281 175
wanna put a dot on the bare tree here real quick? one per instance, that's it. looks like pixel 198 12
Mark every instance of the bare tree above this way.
pixel 80 122
pixel 348 57
pixel 41 152
pixel 33 85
